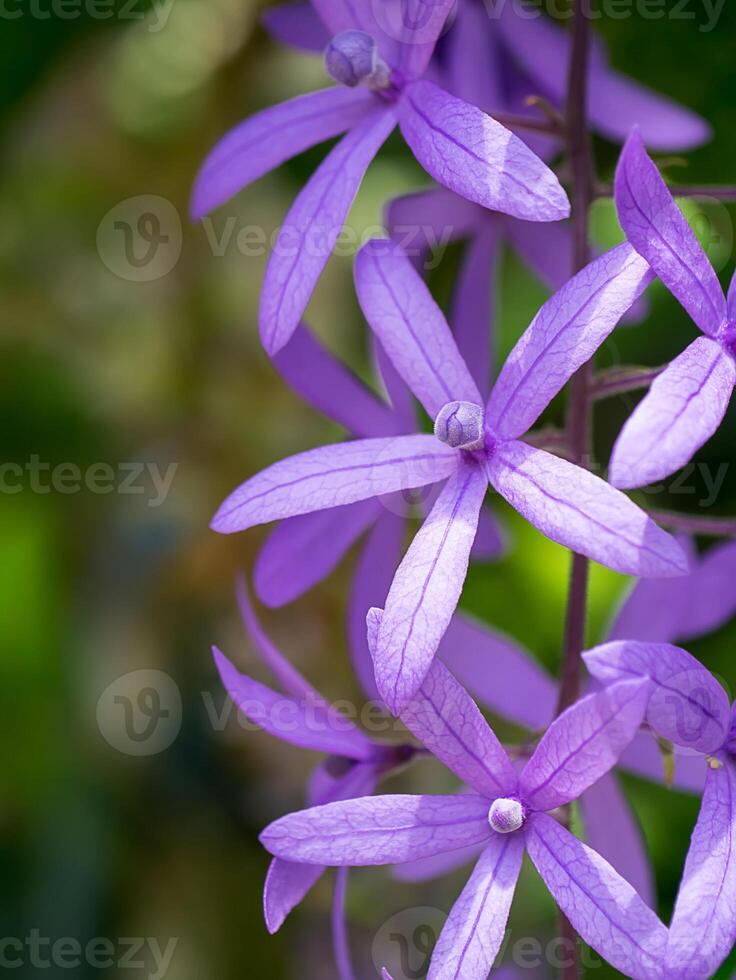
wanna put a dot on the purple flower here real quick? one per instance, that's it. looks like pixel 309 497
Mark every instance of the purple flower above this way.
pixel 302 550
pixel 687 402
pixel 509 54
pixel 506 813
pixel 456 143
pixel 301 716
pixel 689 707
pixel 505 678
pixel 568 504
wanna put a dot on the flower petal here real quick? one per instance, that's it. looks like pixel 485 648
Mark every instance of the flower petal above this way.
pixel 713 586
pixel 348 15
pixel 703 927
pixel 687 705
pixel 601 905
pixel 680 412
pixel 491 541
pixel 379 829
pixel 426 588
pixel 611 829
pixel 306 239
pixel 372 579
pixel 475 928
pixel 582 512
pixel 583 744
pixel 309 723
pixel 499 672
pixel 446 720
pixel 271 137
pixel 297 25
pixel 657 229
pixel 335 475
pixel 478 158
pixel 282 669
pixel 427 869
pixel 545 248
pixel 566 332
pixel 301 551
pixel 426 220
pixel 286 885
pixel 328 385
pixel 473 309
pixel 417 25
pixel 643 758
pixel 340 938
pixel 411 327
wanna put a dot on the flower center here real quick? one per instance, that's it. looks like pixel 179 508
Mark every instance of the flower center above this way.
pixel 352 59
pixel 460 425
pixel 728 337
pixel 506 816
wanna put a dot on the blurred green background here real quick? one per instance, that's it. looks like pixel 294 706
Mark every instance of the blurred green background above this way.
pixel 98 368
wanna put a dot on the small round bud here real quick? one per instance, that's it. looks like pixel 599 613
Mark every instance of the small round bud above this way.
pixel 460 425
pixel 352 58
pixel 505 816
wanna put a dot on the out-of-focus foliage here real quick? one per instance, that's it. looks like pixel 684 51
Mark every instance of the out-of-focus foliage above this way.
pixel 99 369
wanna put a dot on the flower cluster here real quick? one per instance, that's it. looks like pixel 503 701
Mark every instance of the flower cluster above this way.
pixel 463 88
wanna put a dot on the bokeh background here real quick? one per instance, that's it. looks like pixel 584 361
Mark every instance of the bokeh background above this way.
pixel 98 368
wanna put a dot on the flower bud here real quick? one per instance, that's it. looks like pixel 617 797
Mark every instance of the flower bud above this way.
pixel 460 425
pixel 505 816
pixel 352 59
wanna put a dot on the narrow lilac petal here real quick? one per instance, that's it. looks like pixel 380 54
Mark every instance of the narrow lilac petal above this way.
pixel 657 229
pixel 583 744
pixel 301 551
pixel 426 220
pixel 475 156
pixel 312 227
pixel 474 66
pixel 655 608
pixel 500 673
pixel 372 579
pixel 545 248
pixel 644 759
pixel 417 24
pixel 282 669
pixel 309 723
pixel 269 138
pixel 332 476
pixel 427 869
pixel 340 939
pixel 379 829
pixel 374 19
pixel 330 387
pixel 611 829
pixel 615 103
pixel 447 721
pixel 473 303
pixel 286 885
pixel 400 397
pixel 680 412
pixel 731 299
pixel 411 327
pixel 687 705
pixel 713 584
pixel 473 933
pixel 297 25
pixel 582 512
pixel 601 905
pixel 566 332
pixel 427 588
pixel 329 783
pixel 490 540
pixel 703 927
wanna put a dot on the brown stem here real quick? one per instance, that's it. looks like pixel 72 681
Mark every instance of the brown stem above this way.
pixel 513 120
pixel 692 524
pixel 620 380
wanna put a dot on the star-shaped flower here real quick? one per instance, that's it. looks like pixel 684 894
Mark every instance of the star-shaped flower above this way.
pixel 507 813
pixel 689 707
pixel 687 402
pixel 378 54
pixel 472 446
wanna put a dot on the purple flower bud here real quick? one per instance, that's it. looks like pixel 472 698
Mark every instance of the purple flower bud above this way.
pixel 460 425
pixel 352 59
pixel 506 816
